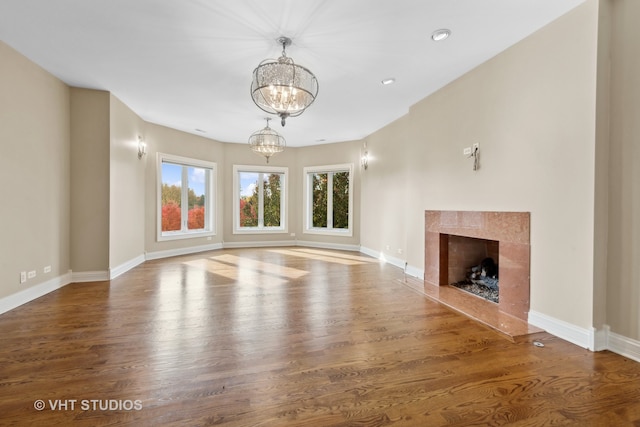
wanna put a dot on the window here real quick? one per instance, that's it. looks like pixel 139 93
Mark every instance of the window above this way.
pixel 259 199
pixel 185 197
pixel 328 199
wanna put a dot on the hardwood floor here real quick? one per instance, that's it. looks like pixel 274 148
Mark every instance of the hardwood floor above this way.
pixel 289 336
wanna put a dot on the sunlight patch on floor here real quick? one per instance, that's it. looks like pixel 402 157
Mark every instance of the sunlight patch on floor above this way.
pixel 212 266
pixel 327 256
pixel 238 264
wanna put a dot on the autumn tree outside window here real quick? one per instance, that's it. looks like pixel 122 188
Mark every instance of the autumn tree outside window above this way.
pixel 185 197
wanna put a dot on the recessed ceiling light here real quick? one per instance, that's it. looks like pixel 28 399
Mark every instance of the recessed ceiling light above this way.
pixel 388 81
pixel 439 35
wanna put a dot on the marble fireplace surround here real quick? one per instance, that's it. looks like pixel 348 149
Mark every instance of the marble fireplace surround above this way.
pixel 510 229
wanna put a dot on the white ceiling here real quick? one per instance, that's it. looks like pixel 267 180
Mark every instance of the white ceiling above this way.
pixel 187 64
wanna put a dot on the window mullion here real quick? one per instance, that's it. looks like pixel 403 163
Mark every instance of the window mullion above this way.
pixel 184 198
pixel 330 200
pixel 283 189
pixel 207 202
pixel 260 200
pixel 309 200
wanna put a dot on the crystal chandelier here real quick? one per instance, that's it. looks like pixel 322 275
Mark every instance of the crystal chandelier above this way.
pixel 281 87
pixel 267 142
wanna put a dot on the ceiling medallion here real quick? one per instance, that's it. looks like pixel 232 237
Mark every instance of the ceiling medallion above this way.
pixel 281 87
pixel 267 142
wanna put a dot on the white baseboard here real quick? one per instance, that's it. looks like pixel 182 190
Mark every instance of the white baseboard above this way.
pixel 19 298
pixel 183 251
pixel 414 272
pixel 302 243
pixel 408 269
pixel 89 276
pixel 397 262
pixel 601 338
pixel 259 244
pixel 565 330
pixel 370 252
pixel 624 346
pixel 321 245
pixel 123 268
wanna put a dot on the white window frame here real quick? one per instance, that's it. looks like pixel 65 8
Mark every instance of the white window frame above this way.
pixel 307 195
pixel 210 195
pixel 284 189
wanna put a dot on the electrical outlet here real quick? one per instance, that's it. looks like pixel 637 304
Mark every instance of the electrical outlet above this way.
pixel 47 269
pixel 31 274
pixel 386 247
pixel 475 146
pixel 399 251
pixel 23 276
pixel 466 151
pixel 293 234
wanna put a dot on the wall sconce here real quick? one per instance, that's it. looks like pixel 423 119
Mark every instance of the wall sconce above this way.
pixel 473 151
pixel 364 160
pixel 142 147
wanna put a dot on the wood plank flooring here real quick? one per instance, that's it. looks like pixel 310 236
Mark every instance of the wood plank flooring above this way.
pixel 288 336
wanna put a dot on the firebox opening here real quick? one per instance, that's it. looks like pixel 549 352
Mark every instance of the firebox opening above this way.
pixel 473 266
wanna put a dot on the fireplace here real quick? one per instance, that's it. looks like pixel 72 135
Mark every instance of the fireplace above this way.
pixel 472 265
pixel 454 239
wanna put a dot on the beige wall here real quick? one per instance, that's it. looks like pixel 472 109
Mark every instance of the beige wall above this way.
pixel 90 159
pixel 601 193
pixel 623 296
pixel 34 170
pixel 385 220
pixel 532 110
pixel 127 186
